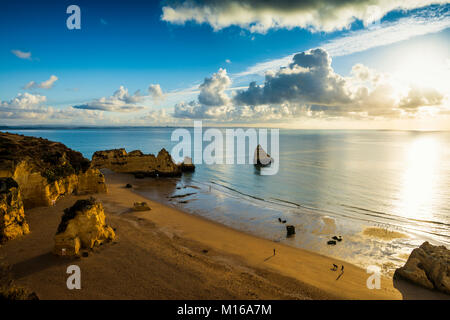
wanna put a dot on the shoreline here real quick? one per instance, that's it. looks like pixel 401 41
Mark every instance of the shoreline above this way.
pixel 166 253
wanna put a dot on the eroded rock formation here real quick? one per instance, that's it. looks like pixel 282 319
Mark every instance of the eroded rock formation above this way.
pixel 138 163
pixel 45 170
pixel 82 226
pixel 261 158
pixel 428 266
pixel 12 217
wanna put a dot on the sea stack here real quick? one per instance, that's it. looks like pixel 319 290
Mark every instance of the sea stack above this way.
pixel 261 157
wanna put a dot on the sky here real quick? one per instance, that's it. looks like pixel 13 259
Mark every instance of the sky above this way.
pixel 325 64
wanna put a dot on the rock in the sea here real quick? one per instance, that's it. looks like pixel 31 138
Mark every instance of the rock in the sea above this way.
pixel 12 217
pixel 141 206
pixel 46 170
pixel 82 226
pixel 261 158
pixel 428 266
pixel 290 230
pixel 187 165
pixel 137 163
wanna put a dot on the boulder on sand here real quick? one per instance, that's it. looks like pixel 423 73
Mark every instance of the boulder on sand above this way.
pixel 12 216
pixel 141 206
pixel 428 266
pixel 82 226
pixel 290 230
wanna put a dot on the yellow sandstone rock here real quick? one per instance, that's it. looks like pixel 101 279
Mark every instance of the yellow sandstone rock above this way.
pixel 82 226
pixel 12 217
pixel 139 164
pixel 429 267
pixel 46 170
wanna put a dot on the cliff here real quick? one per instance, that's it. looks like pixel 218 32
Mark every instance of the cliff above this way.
pixel 139 164
pixel 12 217
pixel 45 170
pixel 82 226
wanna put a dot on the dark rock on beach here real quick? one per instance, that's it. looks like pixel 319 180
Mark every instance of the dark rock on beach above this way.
pixel 290 230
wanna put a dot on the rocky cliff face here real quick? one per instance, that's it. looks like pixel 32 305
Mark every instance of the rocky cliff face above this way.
pixel 45 170
pixel 82 226
pixel 138 163
pixel 12 217
pixel 428 266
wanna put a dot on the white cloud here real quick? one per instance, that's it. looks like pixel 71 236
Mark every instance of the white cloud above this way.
pixel 212 102
pixel 156 92
pixel 120 101
pixel 423 22
pixel 309 87
pixel 260 16
pixel 22 54
pixel 26 107
pixel 47 84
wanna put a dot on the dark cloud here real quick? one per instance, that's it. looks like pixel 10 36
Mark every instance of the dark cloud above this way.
pixel 308 79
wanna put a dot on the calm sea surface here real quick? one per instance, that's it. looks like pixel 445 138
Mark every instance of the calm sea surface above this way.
pixel 329 183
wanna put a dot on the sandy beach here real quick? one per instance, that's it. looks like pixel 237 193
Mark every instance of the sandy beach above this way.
pixel 168 254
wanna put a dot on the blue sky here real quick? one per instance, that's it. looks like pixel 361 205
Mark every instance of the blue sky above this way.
pixel 177 45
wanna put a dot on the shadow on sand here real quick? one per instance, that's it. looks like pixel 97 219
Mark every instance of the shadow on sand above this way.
pixel 411 291
pixel 38 263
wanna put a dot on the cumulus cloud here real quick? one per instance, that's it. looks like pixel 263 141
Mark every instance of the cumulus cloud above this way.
pixel 156 92
pixel 26 107
pixel 120 101
pixel 308 79
pixel 47 84
pixel 421 97
pixel 308 86
pixel 260 16
pixel 213 101
pixel 22 54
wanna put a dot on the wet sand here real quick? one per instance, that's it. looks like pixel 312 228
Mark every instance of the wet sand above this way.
pixel 168 254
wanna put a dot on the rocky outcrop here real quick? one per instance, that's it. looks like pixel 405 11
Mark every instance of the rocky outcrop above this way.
pixel 428 266
pixel 187 165
pixel 46 170
pixel 261 158
pixel 82 226
pixel 12 217
pixel 138 163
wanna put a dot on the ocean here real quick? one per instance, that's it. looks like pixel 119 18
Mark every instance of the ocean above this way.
pixel 330 182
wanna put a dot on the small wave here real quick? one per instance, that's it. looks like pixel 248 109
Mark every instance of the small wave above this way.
pixel 237 191
pixel 396 217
